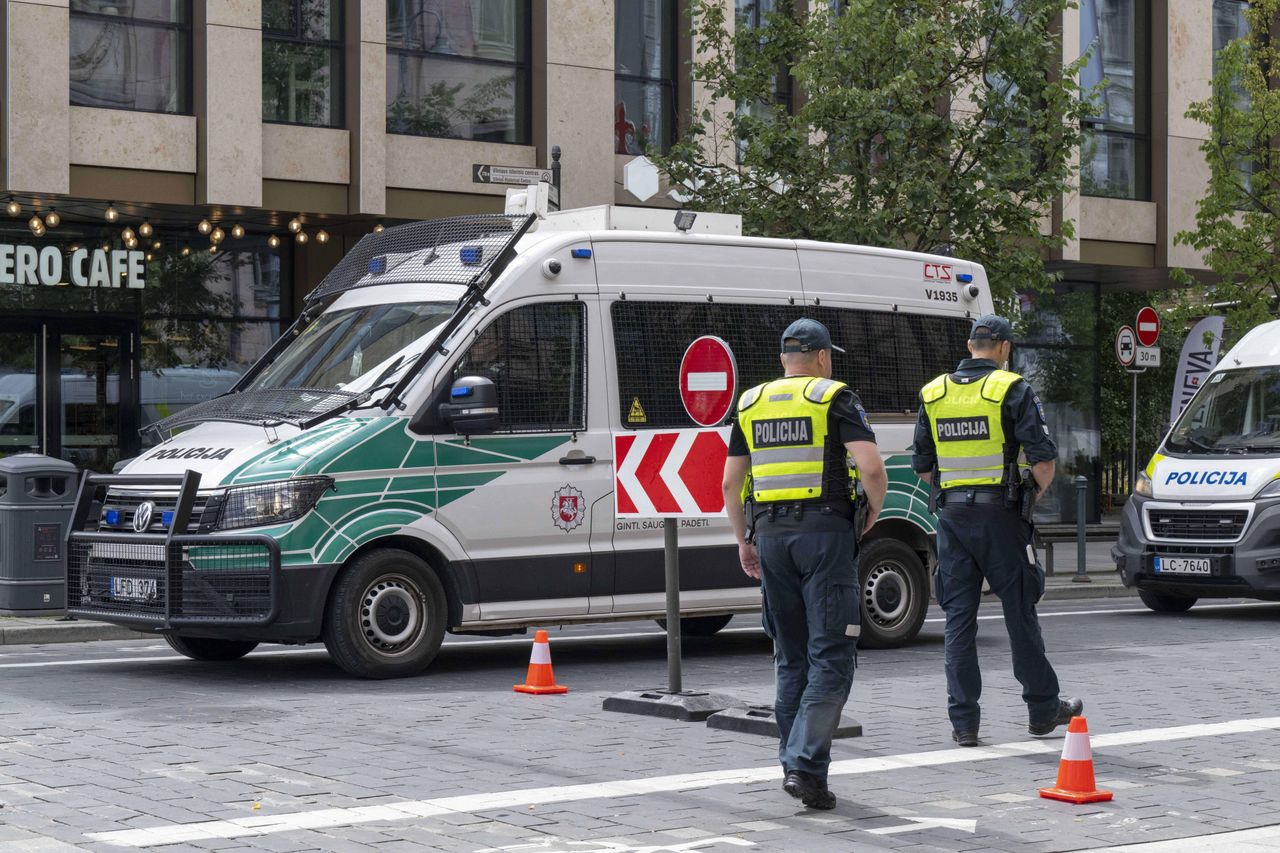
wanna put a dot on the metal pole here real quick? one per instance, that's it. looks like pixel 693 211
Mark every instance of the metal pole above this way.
pixel 671 552
pixel 1133 437
pixel 1082 485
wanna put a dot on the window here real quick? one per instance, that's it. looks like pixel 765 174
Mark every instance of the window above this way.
pixel 754 15
pixel 131 56
pixel 536 357
pixel 459 69
pixel 644 79
pixel 886 363
pixel 1115 153
pixel 302 62
pixel 1230 24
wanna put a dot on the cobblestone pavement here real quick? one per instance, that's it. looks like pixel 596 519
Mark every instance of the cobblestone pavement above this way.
pixel 281 752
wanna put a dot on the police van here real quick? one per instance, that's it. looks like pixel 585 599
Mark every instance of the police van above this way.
pixel 1204 520
pixel 429 447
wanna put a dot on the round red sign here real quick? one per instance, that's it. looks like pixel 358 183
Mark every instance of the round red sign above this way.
pixel 1148 326
pixel 708 380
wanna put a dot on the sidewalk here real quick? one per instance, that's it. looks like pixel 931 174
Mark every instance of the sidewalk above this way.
pixel 30 630
pixel 1104 580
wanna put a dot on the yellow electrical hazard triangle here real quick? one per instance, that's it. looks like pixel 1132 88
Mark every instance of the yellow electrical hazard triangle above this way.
pixel 636 415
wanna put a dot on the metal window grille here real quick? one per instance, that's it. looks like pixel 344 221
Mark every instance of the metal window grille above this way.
pixel 299 406
pixel 890 355
pixel 536 357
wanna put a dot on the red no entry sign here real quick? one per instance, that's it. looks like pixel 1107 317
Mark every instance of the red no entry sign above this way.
pixel 1148 326
pixel 708 380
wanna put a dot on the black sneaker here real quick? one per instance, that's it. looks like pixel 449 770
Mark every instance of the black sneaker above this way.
pixel 1067 708
pixel 809 790
pixel 965 738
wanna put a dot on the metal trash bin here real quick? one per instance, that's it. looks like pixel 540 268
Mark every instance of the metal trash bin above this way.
pixel 37 494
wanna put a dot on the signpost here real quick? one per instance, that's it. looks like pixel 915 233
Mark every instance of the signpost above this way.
pixel 1137 351
pixel 1148 326
pixel 520 176
pixel 708 379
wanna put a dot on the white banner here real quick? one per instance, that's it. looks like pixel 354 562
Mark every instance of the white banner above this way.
pixel 1195 363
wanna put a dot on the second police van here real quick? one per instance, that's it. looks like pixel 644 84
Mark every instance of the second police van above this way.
pixel 1204 521
pixel 429 447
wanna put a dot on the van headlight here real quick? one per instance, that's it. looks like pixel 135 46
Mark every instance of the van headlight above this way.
pixel 1143 486
pixel 1270 490
pixel 271 503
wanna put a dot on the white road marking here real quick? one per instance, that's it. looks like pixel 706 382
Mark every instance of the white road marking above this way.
pixel 1239 841
pixel 919 823
pixel 523 798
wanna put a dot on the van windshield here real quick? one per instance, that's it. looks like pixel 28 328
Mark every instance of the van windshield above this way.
pixel 356 349
pixel 1237 411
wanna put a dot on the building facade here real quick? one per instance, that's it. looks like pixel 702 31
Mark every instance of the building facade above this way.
pixel 234 149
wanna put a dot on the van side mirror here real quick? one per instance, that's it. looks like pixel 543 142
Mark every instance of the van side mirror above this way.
pixel 473 406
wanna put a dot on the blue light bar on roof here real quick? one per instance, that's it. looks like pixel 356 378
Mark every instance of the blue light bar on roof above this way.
pixel 471 255
pixel 378 265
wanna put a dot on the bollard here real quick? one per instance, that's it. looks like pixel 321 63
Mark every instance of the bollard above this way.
pixel 1082 485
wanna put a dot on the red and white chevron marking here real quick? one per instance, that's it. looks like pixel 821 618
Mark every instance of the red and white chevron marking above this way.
pixel 670 474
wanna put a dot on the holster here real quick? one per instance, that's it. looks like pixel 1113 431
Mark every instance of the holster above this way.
pixel 1027 497
pixel 861 510
pixel 935 491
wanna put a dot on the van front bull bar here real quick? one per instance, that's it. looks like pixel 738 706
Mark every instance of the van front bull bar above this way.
pixel 175 579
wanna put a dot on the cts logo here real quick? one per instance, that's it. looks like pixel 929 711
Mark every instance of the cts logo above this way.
pixel 937 272
pixel 1208 478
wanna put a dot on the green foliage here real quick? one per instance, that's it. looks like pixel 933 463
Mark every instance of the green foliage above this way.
pixel 1238 218
pixel 436 112
pixel 920 124
pixel 177 288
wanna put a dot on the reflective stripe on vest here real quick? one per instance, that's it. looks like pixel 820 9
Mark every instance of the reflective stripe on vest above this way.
pixel 785 425
pixel 968 430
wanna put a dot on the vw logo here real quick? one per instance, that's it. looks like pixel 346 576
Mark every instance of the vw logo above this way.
pixel 142 516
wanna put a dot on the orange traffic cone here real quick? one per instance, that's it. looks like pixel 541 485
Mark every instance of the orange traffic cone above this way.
pixel 540 678
pixel 1075 770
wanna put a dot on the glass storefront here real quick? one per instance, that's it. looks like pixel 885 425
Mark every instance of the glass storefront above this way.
pixel 91 358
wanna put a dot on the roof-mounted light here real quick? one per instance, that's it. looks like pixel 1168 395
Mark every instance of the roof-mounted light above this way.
pixel 378 265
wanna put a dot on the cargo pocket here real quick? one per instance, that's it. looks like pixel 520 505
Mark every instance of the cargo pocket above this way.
pixel 844 611
pixel 1035 585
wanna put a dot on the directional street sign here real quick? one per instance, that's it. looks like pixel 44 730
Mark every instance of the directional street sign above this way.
pixel 1147 357
pixel 1126 346
pixel 708 380
pixel 1148 326
pixel 670 473
pixel 521 176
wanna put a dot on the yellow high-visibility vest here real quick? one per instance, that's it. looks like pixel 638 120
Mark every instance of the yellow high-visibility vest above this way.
pixel 785 424
pixel 968 431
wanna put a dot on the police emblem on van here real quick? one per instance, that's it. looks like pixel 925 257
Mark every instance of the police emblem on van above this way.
pixel 568 508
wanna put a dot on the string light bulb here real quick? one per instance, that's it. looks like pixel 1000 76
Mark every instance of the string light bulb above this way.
pixel 13 207
pixel 131 242
pixel 150 257
pixel 213 249
pixel 34 223
pixel 144 230
pixel 377 229
pixel 186 250
pixel 295 225
pixel 217 236
pixel 52 219
pixel 237 230
pixel 205 226
pixel 301 237
pixel 127 234
pixel 322 236
pixel 274 241
pixel 111 214
pixel 156 245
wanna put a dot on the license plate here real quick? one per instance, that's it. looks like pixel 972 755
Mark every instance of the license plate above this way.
pixel 133 589
pixel 1184 565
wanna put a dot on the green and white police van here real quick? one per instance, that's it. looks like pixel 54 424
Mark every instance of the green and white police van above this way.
pixel 429 447
pixel 1204 520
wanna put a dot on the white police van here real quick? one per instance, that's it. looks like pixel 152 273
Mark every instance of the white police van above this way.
pixel 1204 520
pixel 429 447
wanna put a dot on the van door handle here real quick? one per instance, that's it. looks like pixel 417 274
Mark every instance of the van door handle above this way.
pixel 577 460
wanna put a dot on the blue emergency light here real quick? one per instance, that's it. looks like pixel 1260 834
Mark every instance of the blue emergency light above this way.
pixel 378 265
pixel 111 517
pixel 464 391
pixel 964 278
pixel 471 255
pixel 580 253
pixel 166 517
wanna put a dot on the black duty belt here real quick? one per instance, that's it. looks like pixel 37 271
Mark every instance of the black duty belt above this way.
pixel 961 496
pixel 799 509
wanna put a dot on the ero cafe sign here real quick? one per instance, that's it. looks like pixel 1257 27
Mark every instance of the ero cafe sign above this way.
pixel 48 266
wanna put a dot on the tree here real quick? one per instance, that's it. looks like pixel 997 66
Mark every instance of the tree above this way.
pixel 1238 218
pixel 918 125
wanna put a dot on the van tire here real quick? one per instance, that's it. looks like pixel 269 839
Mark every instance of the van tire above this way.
pixel 209 649
pixel 386 616
pixel 699 626
pixel 895 593
pixel 1162 603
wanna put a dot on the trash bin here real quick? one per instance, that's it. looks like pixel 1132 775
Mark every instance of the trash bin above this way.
pixel 37 494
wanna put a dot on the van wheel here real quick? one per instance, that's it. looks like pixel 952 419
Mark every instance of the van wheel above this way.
pixel 1162 603
pixel 205 648
pixel 385 617
pixel 895 594
pixel 699 626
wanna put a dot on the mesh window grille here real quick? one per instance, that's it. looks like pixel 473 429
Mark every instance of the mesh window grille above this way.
pixel 536 357
pixel 890 355
pixel 268 407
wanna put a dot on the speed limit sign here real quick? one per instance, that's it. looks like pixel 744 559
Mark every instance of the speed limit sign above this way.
pixel 1126 346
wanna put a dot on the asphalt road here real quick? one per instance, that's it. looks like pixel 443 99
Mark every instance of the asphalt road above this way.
pixel 110 746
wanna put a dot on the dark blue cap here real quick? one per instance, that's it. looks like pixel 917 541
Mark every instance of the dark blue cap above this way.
pixel 808 336
pixel 991 327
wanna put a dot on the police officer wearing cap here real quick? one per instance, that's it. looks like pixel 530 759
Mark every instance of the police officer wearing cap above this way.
pixel 982 442
pixel 798 450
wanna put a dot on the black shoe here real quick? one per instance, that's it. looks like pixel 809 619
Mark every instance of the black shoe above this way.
pixel 809 790
pixel 1067 708
pixel 965 738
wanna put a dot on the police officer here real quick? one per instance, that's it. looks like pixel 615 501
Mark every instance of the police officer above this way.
pixel 980 431
pixel 795 438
